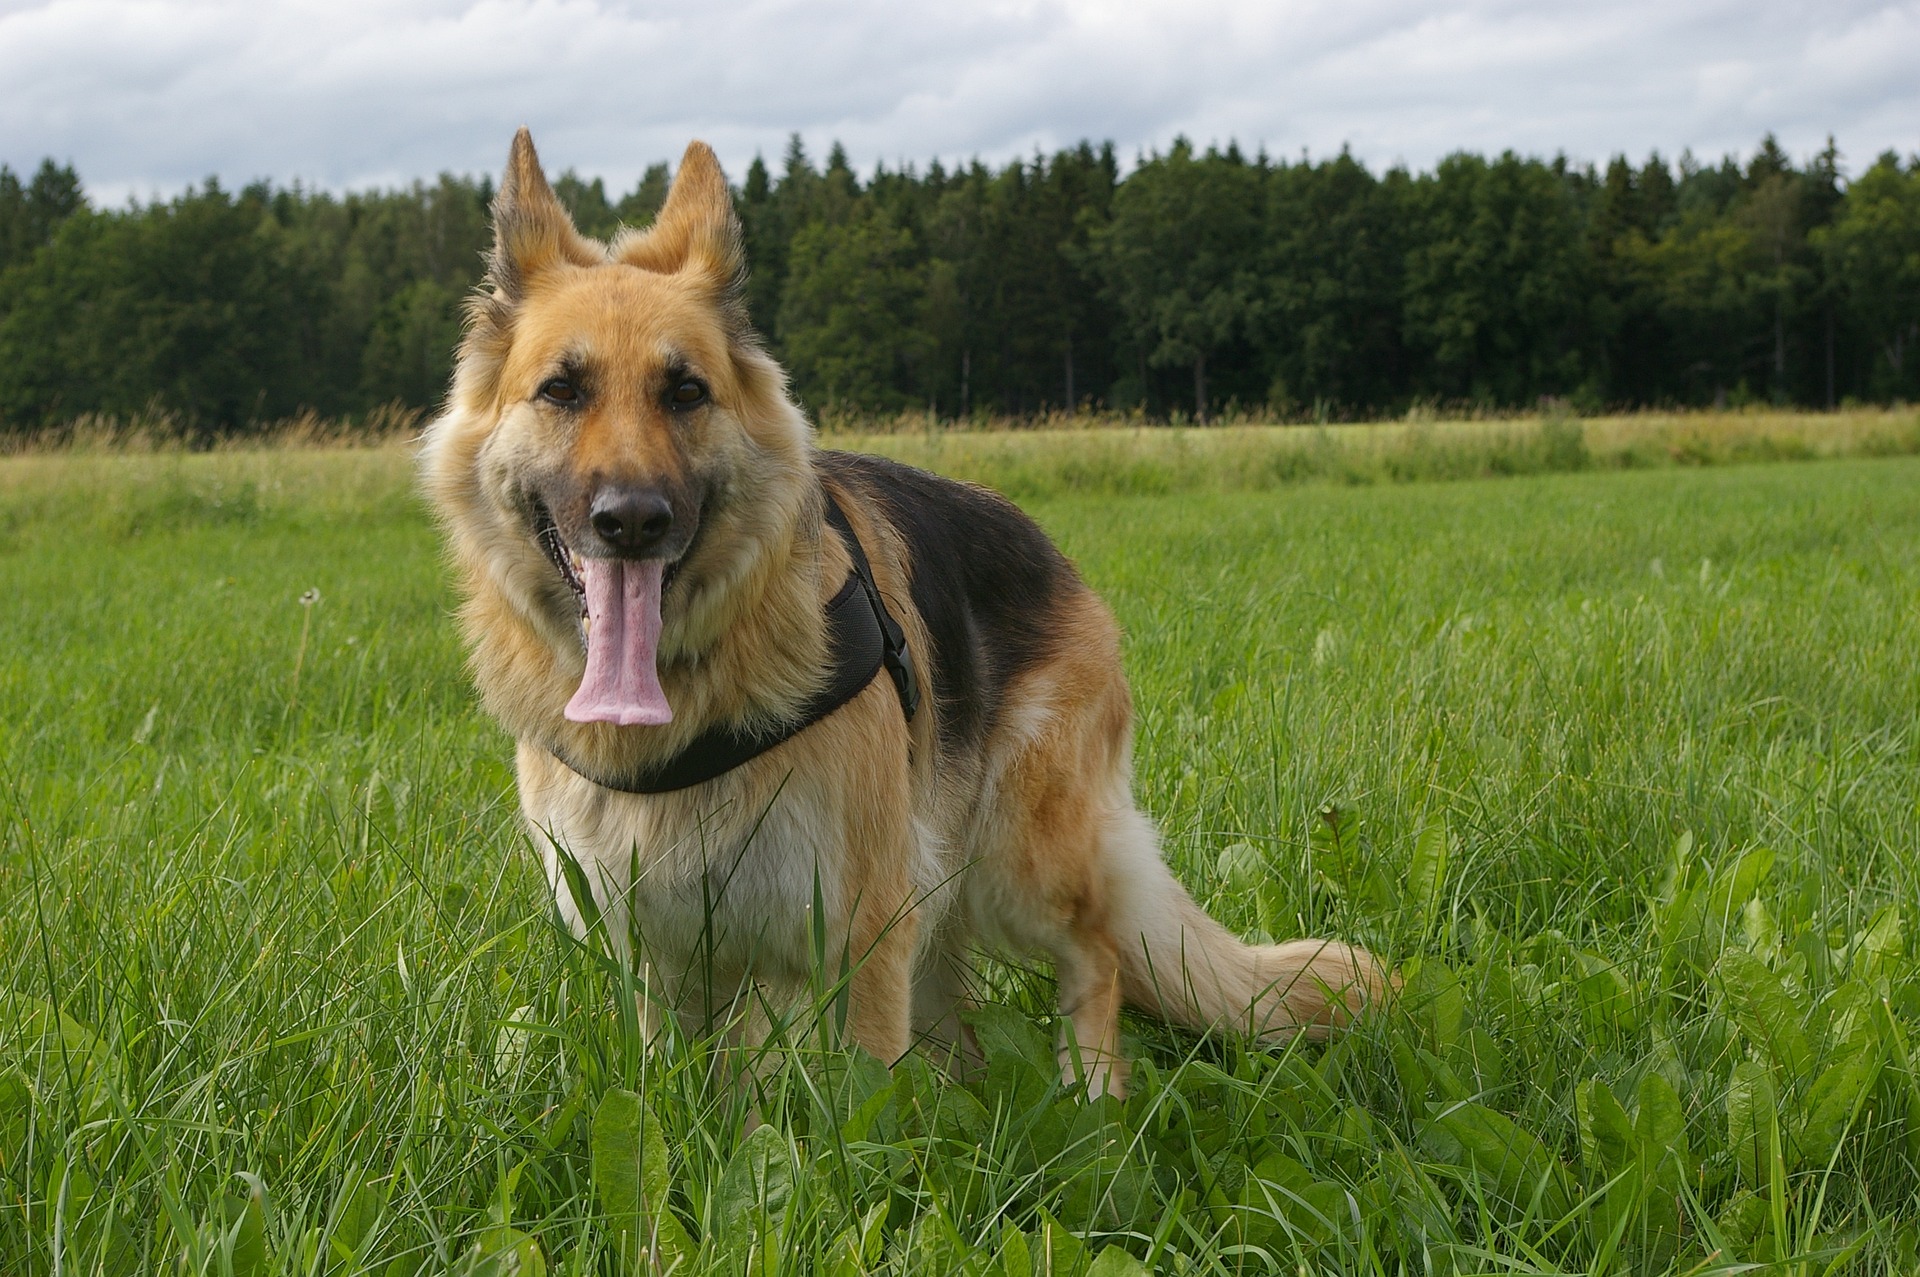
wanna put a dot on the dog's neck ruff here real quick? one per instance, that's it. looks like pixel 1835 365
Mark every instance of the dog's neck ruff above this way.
pixel 863 638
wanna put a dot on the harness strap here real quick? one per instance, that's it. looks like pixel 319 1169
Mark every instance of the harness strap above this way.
pixel 863 638
pixel 894 653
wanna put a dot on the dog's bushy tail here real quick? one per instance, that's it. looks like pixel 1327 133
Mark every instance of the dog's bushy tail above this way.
pixel 1181 965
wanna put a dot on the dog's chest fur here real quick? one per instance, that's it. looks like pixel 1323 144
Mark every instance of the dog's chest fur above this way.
pixel 726 882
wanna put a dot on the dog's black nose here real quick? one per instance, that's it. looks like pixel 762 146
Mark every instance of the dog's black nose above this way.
pixel 631 520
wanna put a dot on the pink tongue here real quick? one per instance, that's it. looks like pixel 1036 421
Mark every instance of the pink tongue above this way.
pixel 621 684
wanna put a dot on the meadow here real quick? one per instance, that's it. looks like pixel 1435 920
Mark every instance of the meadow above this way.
pixel 1616 759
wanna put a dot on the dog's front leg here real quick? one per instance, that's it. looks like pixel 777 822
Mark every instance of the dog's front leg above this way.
pixel 884 935
pixel 881 923
pixel 878 918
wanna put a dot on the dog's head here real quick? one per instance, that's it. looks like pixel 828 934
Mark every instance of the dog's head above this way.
pixel 612 414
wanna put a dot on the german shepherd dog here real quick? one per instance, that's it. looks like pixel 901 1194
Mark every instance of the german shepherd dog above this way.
pixel 652 548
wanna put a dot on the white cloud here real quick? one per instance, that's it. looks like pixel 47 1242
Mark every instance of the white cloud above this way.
pixel 147 95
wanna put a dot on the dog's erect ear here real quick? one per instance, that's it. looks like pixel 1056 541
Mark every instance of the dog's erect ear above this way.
pixel 531 229
pixel 696 233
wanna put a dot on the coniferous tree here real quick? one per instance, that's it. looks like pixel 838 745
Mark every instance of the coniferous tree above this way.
pixel 31 213
pixel 1498 294
pixel 848 318
pixel 1872 252
pixel 639 206
pixel 1335 256
pixel 1180 255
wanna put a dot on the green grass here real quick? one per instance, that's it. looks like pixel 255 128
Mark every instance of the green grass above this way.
pixel 1620 766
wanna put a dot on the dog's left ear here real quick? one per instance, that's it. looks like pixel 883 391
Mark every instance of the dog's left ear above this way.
pixel 697 233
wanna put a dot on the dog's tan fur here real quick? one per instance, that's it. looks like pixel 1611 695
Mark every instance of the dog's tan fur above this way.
pixel 919 853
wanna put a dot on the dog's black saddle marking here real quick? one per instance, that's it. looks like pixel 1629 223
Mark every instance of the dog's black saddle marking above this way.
pixel 864 638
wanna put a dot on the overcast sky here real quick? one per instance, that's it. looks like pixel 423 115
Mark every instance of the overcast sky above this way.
pixel 144 96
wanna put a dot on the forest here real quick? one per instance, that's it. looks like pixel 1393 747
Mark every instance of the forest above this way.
pixel 1190 285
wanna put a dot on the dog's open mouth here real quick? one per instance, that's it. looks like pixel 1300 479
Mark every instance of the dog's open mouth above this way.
pixel 547 534
pixel 620 618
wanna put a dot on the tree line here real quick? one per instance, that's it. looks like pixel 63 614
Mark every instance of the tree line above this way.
pixel 1197 282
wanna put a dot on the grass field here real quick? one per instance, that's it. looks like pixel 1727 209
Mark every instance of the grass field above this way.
pixel 1123 457
pixel 1619 765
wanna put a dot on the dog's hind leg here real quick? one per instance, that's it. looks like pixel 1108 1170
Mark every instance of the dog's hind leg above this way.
pixel 1047 865
pixel 1088 970
pixel 940 993
pixel 1062 896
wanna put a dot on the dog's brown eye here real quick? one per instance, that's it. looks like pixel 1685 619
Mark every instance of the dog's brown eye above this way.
pixel 688 393
pixel 560 391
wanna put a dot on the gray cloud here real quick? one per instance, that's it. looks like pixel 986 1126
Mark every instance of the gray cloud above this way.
pixel 144 96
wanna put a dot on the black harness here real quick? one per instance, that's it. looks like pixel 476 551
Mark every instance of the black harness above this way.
pixel 863 637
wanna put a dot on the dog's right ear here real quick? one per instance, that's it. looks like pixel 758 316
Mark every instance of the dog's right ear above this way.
pixel 532 232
